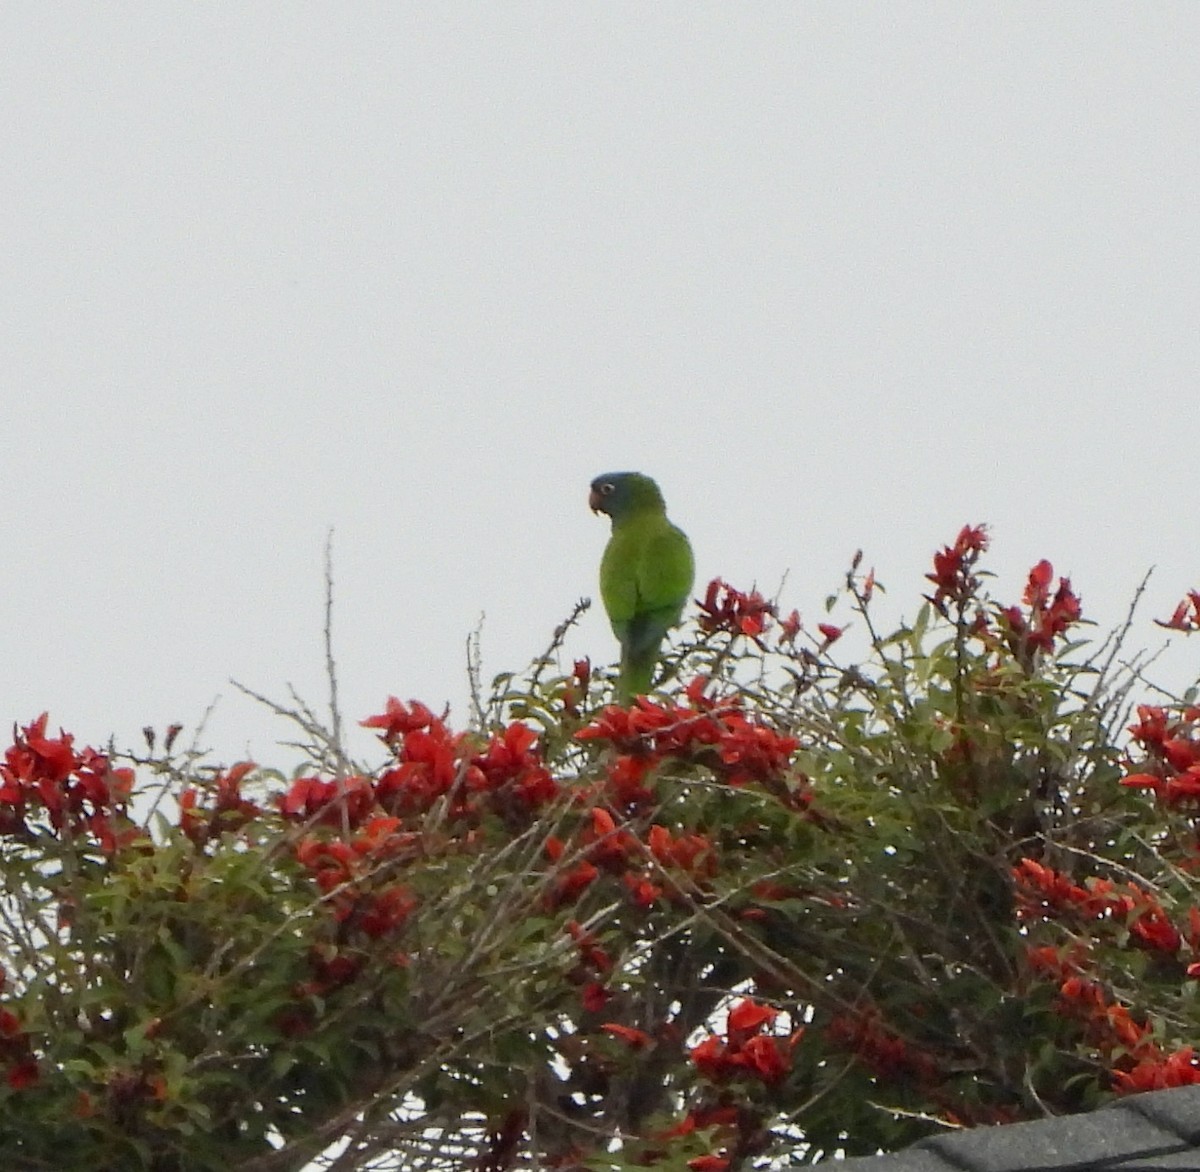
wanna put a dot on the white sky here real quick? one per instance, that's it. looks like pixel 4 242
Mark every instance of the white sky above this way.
pixel 838 275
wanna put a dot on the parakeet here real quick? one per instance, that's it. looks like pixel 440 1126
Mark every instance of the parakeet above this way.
pixel 645 575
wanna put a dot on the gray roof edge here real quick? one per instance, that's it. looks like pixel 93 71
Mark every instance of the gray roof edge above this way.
pixel 1138 1128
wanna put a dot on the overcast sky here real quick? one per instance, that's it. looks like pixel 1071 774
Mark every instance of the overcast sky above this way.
pixel 837 275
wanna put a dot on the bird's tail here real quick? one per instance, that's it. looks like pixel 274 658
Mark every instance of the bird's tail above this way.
pixel 636 675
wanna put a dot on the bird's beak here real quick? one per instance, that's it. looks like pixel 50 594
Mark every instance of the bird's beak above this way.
pixel 594 499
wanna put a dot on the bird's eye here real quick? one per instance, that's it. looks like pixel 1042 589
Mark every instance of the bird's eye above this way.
pixel 606 489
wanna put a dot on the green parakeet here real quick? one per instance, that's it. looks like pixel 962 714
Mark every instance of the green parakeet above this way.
pixel 645 575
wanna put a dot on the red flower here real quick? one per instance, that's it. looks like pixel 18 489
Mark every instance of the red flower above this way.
pixel 1037 588
pixel 626 775
pixel 590 953
pixel 711 1059
pixel 23 1074
pixel 1151 726
pixel 1157 1073
pixel 1171 768
pixel 972 539
pixel 513 761
pixel 1181 753
pixel 745 1050
pixel 382 912
pixel 594 997
pixel 331 862
pixel 754 752
pixel 1187 614
pixel 1056 962
pixel 229 811
pixel 1049 616
pixel 747 1016
pixel 1154 931
pixel 732 611
pixel 575 881
pixel 762 1056
pixel 328 802
pixel 79 790
pixel 1109 1025
pixel 683 852
pixel 953 567
pixel 884 1052
pixel 610 846
pixel 399 718
pixel 430 765
pixel 37 757
pixel 644 893
pixel 331 970
pixel 1042 891
pixel 635 1039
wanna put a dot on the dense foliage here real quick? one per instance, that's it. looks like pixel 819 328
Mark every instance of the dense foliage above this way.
pixel 784 907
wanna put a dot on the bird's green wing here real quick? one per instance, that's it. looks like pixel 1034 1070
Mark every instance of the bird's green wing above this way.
pixel 664 579
pixel 645 578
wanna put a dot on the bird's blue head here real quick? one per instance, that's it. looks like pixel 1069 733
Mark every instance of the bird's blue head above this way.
pixel 620 493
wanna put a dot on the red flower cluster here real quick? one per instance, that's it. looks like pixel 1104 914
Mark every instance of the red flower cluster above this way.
pixel 740 749
pixel 686 852
pixel 594 965
pixel 1187 615
pixel 790 627
pixel 1172 766
pixel 16 1052
pixel 726 609
pixel 398 719
pixel 228 811
pixel 880 1049
pixel 1058 963
pixel 79 791
pixel 1050 615
pixel 719 736
pixel 746 1050
pixel 736 612
pixel 511 767
pixel 508 777
pixel 634 1038
pixel 1109 1026
pixel 332 967
pixel 607 846
pixel 953 568
pixel 1157 1072
pixel 326 802
pixel 1043 893
pixel 349 874
pixel 575 881
pixel 576 688
pixel 1137 1062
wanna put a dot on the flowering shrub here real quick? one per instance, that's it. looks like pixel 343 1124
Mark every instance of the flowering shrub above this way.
pixel 787 906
